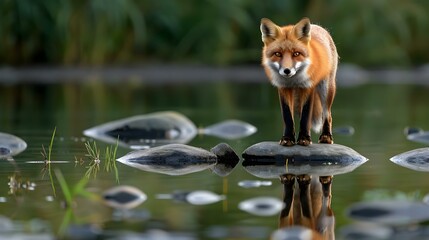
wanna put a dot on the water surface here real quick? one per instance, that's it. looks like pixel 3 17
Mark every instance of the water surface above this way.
pixel 378 113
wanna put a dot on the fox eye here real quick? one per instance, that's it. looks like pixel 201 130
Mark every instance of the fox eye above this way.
pixel 296 54
pixel 278 54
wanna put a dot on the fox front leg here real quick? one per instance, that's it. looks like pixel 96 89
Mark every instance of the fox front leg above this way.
pixel 288 138
pixel 304 137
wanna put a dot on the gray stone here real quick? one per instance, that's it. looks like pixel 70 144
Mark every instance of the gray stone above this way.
pixel 144 131
pixel 392 212
pixel 417 159
pixel 11 145
pixel 420 137
pixel 270 160
pixel 180 159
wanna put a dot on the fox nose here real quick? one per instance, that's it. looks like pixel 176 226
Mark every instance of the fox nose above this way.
pixel 287 71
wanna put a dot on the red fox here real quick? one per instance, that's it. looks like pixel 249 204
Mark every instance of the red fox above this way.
pixel 308 203
pixel 301 61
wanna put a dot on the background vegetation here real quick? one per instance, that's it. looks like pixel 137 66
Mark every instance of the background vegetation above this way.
pixel 96 32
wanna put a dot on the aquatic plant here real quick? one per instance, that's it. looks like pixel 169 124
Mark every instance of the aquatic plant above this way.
pixel 47 156
pixel 110 164
pixel 93 152
pixel 47 160
pixel 70 193
pixel 94 155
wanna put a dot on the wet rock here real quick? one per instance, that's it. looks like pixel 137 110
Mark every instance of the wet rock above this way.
pixel 412 130
pixel 11 145
pixel 262 206
pixel 124 197
pixel 360 231
pixel 344 130
pixel 270 160
pixel 144 131
pixel 198 197
pixel 229 129
pixel 419 136
pixel 417 159
pixel 253 183
pixel 83 232
pixel 180 159
pixel 295 233
pixel 394 212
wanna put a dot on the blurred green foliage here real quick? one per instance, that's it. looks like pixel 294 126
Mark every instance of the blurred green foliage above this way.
pixel 74 32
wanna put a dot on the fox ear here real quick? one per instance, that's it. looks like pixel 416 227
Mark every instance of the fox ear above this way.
pixel 302 30
pixel 270 31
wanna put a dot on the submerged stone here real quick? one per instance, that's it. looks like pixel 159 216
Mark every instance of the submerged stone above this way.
pixel 148 130
pixel 270 160
pixel 419 136
pixel 198 197
pixel 124 197
pixel 230 129
pixel 412 130
pixel 296 233
pixel 395 212
pixel 361 231
pixel 344 130
pixel 180 159
pixel 262 206
pixel 417 159
pixel 253 183
pixel 11 145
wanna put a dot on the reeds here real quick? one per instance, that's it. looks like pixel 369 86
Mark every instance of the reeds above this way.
pixel 93 153
pixel 47 159
pixel 126 31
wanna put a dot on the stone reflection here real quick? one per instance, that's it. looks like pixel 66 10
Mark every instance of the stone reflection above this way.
pixel 306 174
pixel 307 202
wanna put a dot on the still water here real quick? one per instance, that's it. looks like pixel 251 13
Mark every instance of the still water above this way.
pixel 29 205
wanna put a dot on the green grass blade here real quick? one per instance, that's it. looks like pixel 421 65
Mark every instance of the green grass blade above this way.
pixel 65 222
pixel 49 161
pixel 114 161
pixel 64 187
pixel 51 144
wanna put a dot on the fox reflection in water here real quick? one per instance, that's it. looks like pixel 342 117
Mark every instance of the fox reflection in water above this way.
pixel 308 204
pixel 307 198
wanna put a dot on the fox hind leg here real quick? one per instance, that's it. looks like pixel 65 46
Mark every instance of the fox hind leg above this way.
pixel 326 136
pixel 327 93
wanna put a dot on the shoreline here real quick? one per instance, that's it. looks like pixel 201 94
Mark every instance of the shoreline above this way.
pixel 347 76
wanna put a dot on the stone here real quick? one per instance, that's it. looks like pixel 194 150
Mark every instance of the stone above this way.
pixel 180 159
pixel 270 160
pixel 417 159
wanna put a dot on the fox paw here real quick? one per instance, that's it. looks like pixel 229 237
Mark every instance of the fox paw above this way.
pixel 326 138
pixel 304 179
pixel 304 140
pixel 287 179
pixel 287 141
pixel 325 179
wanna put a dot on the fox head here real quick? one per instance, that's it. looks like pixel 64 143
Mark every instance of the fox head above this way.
pixel 286 52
